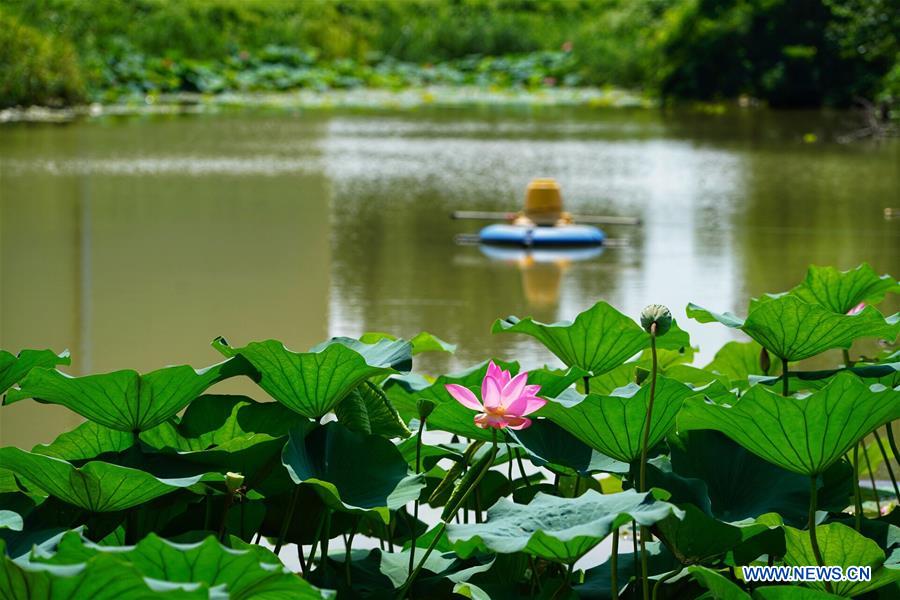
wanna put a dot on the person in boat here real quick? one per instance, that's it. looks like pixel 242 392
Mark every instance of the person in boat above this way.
pixel 543 205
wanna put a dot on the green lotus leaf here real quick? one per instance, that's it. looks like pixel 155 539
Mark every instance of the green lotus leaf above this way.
pixel 96 487
pixel 554 528
pixel 220 434
pixel 103 578
pixel 887 374
pixel 738 361
pixel 719 586
pixel 612 380
pixel 11 520
pixel 395 566
pixel 470 590
pixel 792 329
pixel 613 424
pixel 86 441
pixel 214 420
pixel 549 445
pixel 598 340
pixel 740 485
pixel 839 291
pixel 840 546
pixel 697 537
pixel 803 435
pixel 125 400
pixel 8 482
pixel 421 342
pixel 250 572
pixel 351 471
pixel 312 383
pixel 14 367
pixel 368 409
pixel 597 583
pixel 378 574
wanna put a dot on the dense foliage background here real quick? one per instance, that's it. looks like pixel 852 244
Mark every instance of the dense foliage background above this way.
pixel 785 52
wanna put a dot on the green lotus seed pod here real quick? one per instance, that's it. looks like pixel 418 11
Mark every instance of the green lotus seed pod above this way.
pixel 425 408
pixel 233 481
pixel 659 314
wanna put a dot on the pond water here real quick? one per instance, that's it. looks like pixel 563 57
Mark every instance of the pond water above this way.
pixel 135 241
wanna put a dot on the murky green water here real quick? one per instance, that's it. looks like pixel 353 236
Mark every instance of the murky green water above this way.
pixel 134 242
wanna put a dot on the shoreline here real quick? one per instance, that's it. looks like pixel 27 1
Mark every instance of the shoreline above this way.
pixel 376 99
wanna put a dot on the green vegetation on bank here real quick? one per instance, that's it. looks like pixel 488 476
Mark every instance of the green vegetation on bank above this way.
pixel 785 52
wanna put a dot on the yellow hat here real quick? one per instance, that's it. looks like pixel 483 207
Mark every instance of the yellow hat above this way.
pixel 542 196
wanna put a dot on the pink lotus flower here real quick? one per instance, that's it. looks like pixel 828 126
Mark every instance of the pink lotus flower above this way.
pixel 856 309
pixel 506 399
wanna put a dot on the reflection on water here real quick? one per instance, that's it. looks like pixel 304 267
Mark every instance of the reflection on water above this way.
pixel 134 242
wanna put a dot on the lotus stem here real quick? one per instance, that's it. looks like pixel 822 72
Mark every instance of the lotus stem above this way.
pixel 412 543
pixel 646 433
pixel 569 569
pixel 286 524
pixel 635 561
pixel 323 555
pixel 645 579
pixel 522 468
pixel 889 432
pixel 347 549
pixel 401 593
pixel 207 513
pixel 229 500
pixel 786 387
pixel 131 527
pixel 813 539
pixel 857 494
pixel 614 565
pixel 662 580
pixel 887 463
pixel 535 576
pixel 301 559
pixel 389 529
pixel 314 547
pixel 846 353
pixel 872 479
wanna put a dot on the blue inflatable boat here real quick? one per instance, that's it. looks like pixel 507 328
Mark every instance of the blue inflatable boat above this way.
pixel 528 236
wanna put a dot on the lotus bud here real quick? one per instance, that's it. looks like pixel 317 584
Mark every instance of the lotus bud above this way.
pixel 425 408
pixel 765 363
pixel 658 314
pixel 233 481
